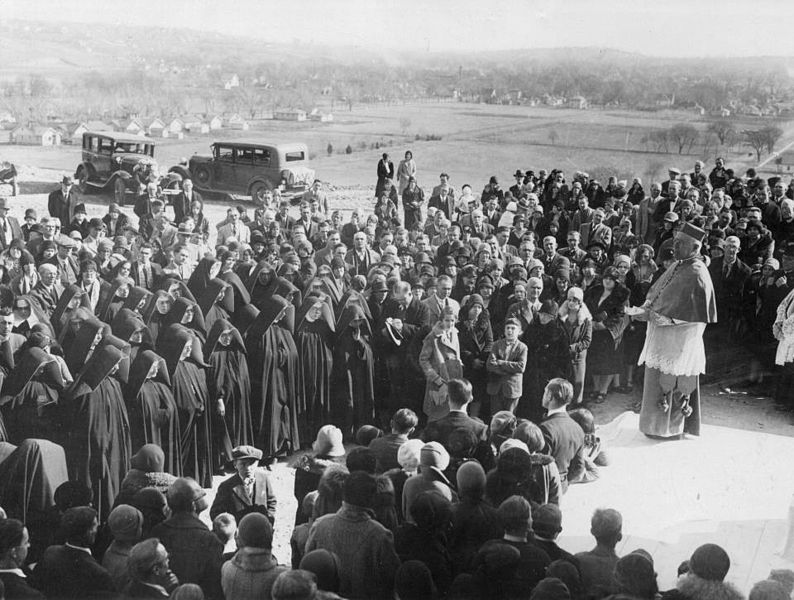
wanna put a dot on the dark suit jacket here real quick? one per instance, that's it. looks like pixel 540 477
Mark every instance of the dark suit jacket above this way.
pixel 565 442
pixel 233 499
pixel 61 207
pixel 196 555
pixel 71 264
pixel 17 588
pixel 65 572
pixel 448 207
pixel 439 431
pixel 730 292
pixel 137 277
pixel 47 300
pixel 16 232
pixel 601 234
pixel 413 317
pixel 121 222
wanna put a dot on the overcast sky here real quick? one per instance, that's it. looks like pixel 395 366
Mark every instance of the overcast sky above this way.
pixel 658 28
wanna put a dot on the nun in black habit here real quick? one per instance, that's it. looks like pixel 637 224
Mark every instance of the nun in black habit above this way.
pixel 229 380
pixel 154 314
pixel 99 446
pixel 314 340
pixel 273 359
pixel 216 302
pixel 152 409
pixel 129 327
pixel 31 397
pixel 187 313
pixel 181 350
pixel 352 379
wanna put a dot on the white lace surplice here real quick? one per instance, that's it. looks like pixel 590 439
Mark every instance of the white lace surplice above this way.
pixel 675 349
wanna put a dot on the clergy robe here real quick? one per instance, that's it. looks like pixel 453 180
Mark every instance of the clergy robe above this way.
pixel 229 379
pixel 273 358
pixel 353 372
pixel 152 410
pixel 99 447
pixel 314 342
pixel 674 355
pixel 189 384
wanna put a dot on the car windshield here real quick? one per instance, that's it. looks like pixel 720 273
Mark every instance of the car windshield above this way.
pixel 131 147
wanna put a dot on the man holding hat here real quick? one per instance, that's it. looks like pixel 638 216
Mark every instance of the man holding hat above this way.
pixel 62 202
pixel 678 307
pixel 248 490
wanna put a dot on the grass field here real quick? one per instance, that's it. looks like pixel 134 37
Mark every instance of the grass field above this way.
pixel 477 141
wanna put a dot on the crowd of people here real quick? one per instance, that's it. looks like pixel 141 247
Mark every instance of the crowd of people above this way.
pixel 142 356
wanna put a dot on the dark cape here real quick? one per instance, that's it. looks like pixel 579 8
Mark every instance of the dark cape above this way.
pixel 126 325
pixel 30 476
pixel 241 294
pixel 229 379
pixel 189 384
pixel 547 358
pixel 314 342
pixel 216 302
pixel 273 358
pixel 201 276
pixel 99 446
pixel 354 371
pixel 78 344
pixel 31 398
pixel 685 292
pixel 152 410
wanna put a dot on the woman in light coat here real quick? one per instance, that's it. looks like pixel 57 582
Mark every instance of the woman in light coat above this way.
pixel 405 170
pixel 577 323
pixel 440 362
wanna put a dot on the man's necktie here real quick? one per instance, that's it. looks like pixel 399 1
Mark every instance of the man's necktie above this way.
pixel 249 487
pixel 146 277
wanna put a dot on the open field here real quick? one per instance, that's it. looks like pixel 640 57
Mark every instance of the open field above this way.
pixel 477 140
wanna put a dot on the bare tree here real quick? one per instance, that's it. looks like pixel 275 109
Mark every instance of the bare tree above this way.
pixel 660 138
pixel 684 135
pixel 771 134
pixel 757 140
pixel 723 129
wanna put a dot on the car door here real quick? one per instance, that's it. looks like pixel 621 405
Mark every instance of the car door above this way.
pixel 223 167
pixel 103 158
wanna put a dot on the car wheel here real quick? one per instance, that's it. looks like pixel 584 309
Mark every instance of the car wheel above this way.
pixel 82 182
pixel 202 176
pixel 258 192
pixel 120 191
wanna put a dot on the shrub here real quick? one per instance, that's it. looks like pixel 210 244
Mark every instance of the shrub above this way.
pixel 349 149
pixel 330 149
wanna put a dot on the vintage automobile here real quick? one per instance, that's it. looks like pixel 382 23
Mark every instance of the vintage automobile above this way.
pixel 126 161
pixel 250 168
pixel 8 176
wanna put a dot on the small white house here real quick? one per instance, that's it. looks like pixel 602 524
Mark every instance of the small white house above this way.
pixel 132 126
pixel 157 128
pixel 289 114
pixel 176 125
pixel 36 136
pixel 237 122
pixel 215 123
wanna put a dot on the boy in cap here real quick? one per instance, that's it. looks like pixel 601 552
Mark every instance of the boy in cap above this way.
pixel 248 490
